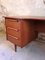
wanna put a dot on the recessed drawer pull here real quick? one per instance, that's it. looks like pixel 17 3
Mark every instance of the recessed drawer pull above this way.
pixel 13 36
pixel 13 29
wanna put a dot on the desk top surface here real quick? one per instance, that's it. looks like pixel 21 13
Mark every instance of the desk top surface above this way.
pixel 27 17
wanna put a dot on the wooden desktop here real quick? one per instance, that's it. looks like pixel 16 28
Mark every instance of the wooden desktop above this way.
pixel 21 31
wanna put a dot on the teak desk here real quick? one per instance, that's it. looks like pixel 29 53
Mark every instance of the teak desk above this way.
pixel 22 31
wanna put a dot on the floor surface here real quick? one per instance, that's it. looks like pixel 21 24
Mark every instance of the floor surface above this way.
pixel 33 51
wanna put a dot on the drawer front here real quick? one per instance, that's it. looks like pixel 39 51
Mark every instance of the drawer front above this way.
pixel 13 32
pixel 14 40
pixel 12 23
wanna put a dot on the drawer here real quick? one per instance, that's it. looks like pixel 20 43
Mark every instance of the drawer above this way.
pixel 14 32
pixel 14 40
pixel 12 23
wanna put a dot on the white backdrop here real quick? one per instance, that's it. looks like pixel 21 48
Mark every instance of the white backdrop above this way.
pixel 24 7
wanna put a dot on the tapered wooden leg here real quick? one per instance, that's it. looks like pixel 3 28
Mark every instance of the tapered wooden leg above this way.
pixel 15 48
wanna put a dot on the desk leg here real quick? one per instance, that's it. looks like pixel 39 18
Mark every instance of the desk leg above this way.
pixel 15 48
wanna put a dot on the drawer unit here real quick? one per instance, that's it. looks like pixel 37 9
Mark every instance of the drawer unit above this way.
pixel 19 31
pixel 13 31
